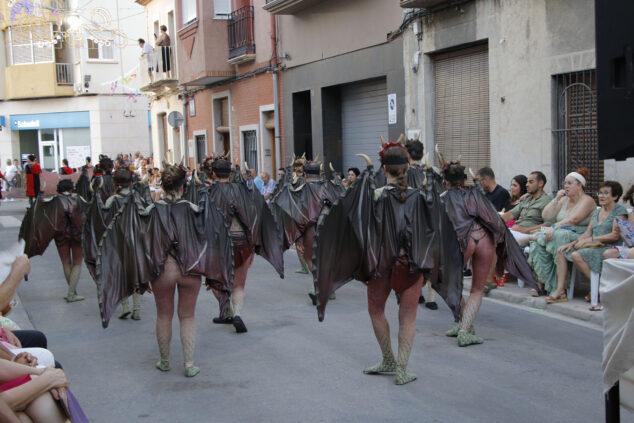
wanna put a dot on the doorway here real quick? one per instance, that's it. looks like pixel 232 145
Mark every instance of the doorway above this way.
pixel 49 148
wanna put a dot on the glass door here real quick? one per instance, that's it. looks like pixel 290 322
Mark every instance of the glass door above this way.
pixel 49 149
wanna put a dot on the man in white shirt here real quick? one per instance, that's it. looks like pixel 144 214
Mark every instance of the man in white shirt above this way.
pixel 148 52
pixel 10 172
pixel 268 186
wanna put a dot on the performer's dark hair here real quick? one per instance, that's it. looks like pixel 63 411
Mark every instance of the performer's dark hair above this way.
pixel 221 167
pixel 355 170
pixel 486 172
pixel 31 157
pixel 629 196
pixel 454 174
pixel 65 185
pixel 539 176
pixel 65 162
pixel 122 177
pixel 172 178
pixel 615 188
pixel 397 170
pixel 88 159
pixel 415 149
pixel 521 181
pixel 311 168
pixel 106 165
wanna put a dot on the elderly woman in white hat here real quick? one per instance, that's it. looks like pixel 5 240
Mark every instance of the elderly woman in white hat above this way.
pixel 569 214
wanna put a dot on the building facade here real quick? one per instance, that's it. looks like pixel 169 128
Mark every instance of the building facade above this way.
pixel 343 80
pixel 501 81
pixel 68 83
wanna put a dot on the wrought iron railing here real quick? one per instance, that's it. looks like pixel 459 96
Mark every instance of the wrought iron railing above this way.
pixel 64 73
pixel 241 34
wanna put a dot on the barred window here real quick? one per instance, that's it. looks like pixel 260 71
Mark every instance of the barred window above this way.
pixel 31 44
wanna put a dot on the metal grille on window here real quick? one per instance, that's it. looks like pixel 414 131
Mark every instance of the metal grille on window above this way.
pixel 201 148
pixel 461 109
pixel 251 149
pixel 575 134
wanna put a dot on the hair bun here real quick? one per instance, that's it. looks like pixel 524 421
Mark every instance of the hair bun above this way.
pixel 583 171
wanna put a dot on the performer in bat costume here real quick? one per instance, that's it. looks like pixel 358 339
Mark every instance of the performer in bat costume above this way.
pixel 481 231
pixel 253 230
pixel 60 218
pixel 100 216
pixel 391 238
pixel 298 206
pixel 82 186
pixel 166 246
pixel 102 179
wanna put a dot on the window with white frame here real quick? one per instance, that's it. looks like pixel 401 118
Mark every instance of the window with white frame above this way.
pixel 188 11
pixel 30 44
pixel 222 9
pixel 100 49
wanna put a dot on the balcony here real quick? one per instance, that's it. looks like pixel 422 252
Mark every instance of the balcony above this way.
pixel 241 36
pixel 288 7
pixel 37 80
pixel 427 4
pixel 157 71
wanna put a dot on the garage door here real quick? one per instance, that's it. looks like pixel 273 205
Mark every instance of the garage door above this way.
pixel 461 120
pixel 363 120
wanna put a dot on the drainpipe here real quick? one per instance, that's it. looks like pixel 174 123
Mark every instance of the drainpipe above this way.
pixel 276 99
pixel 186 149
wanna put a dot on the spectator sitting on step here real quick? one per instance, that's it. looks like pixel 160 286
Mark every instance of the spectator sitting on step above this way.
pixel 528 213
pixel 518 191
pixel 626 232
pixel 496 194
pixel 571 210
pixel 602 234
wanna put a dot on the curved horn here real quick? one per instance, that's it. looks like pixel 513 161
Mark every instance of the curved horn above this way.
pixel 196 178
pixel 472 174
pixel 246 166
pixel 425 180
pixel 321 167
pixel 304 156
pixel 316 157
pixel 427 161
pixel 441 158
pixel 90 188
pixel 332 169
pixel 101 183
pixel 382 141
pixel 400 138
pixel 459 158
pixel 417 136
pixel 366 158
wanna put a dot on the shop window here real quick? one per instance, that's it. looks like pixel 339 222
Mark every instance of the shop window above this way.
pixel 100 50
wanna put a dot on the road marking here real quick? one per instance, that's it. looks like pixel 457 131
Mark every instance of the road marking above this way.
pixel 10 222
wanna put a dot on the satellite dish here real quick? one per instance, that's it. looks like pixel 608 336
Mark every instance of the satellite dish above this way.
pixel 175 119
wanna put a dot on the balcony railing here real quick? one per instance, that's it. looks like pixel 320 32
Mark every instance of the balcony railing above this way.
pixel 427 4
pixel 288 7
pixel 159 67
pixel 64 73
pixel 241 35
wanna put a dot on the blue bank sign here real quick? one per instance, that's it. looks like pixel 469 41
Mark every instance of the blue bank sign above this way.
pixel 50 121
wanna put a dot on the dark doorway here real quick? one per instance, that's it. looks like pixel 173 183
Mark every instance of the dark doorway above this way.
pixel 302 124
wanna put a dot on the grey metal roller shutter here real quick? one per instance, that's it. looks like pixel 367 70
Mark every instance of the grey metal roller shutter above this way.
pixel 461 119
pixel 363 120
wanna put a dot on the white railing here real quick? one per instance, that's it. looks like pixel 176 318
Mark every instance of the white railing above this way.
pixel 64 73
pixel 159 66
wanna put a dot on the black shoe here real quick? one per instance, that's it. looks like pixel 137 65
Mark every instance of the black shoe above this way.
pixel 421 300
pixel 223 320
pixel 432 305
pixel 239 324
pixel 313 297
pixel 467 273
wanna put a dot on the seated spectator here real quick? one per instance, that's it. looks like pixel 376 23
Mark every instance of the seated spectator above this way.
pixel 268 186
pixel 353 173
pixel 31 392
pixel 497 195
pixel 626 232
pixel 518 190
pixel 571 210
pixel 528 213
pixel 602 234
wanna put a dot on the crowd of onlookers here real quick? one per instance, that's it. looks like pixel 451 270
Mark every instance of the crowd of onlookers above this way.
pixel 565 230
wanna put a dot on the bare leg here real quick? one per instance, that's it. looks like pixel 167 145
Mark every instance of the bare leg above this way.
pixel 611 253
pixel 238 295
pixel 75 271
pixel 580 264
pixel 188 288
pixel 378 291
pixel 407 318
pixel 164 288
pixel 483 253
pixel 64 254
pixel 562 275
pixel 43 409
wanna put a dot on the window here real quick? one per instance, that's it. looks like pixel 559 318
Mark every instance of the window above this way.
pixel 100 50
pixel 189 11
pixel 31 44
pixel 192 107
pixel 222 9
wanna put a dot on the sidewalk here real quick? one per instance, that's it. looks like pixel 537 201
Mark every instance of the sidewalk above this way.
pixel 578 308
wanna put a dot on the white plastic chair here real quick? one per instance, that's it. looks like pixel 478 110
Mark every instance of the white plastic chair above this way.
pixel 595 280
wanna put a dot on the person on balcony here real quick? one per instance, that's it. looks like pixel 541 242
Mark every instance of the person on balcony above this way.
pixel 164 42
pixel 148 54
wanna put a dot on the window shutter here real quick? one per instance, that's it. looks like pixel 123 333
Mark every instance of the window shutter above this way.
pixel 222 9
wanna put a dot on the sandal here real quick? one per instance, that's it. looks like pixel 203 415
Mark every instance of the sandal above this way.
pixel 587 297
pixel 534 293
pixel 596 308
pixel 561 299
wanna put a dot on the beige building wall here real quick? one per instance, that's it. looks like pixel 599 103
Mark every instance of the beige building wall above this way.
pixel 336 27
pixel 166 105
pixel 528 43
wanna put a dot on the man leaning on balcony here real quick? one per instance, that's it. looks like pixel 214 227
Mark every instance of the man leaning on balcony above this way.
pixel 146 51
